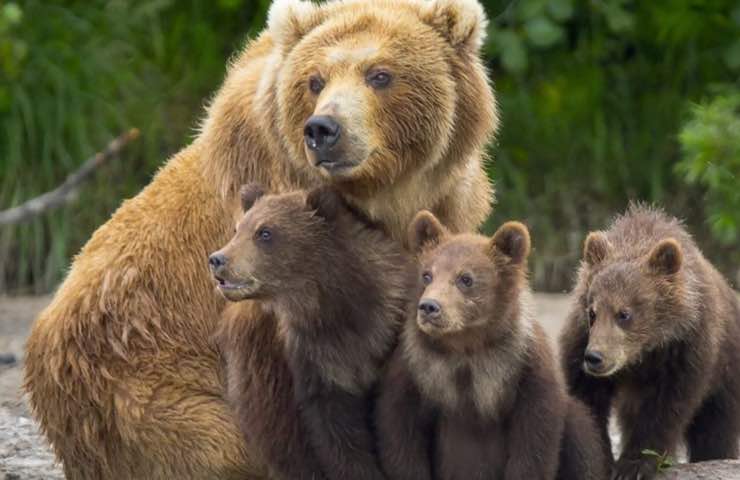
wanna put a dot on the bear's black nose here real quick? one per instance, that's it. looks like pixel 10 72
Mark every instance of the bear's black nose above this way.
pixel 430 308
pixel 321 132
pixel 216 261
pixel 594 360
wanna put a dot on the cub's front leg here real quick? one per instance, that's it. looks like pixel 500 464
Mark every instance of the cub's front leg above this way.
pixel 404 426
pixel 338 425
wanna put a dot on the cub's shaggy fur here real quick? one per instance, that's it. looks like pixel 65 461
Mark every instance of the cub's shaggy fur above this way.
pixel 655 333
pixel 473 391
pixel 120 368
pixel 338 291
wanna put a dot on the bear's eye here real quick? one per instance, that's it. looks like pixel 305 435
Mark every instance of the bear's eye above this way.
pixel 466 280
pixel 426 277
pixel 316 84
pixel 264 234
pixel 623 316
pixel 591 316
pixel 378 79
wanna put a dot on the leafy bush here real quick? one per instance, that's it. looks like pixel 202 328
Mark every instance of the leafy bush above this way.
pixel 711 148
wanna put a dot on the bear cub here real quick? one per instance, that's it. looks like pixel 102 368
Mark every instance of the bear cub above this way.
pixel 336 288
pixel 473 390
pixel 655 333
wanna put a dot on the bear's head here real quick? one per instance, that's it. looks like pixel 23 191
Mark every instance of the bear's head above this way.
pixel 632 304
pixel 369 91
pixel 281 244
pixel 470 282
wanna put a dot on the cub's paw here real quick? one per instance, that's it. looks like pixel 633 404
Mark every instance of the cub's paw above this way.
pixel 629 469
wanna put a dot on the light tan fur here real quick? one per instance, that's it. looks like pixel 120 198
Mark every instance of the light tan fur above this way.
pixel 120 369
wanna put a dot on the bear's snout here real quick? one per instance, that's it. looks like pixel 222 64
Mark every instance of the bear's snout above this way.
pixel 216 261
pixel 321 133
pixel 429 310
pixel 594 360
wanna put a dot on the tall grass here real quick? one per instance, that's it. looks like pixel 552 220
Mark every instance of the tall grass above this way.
pixel 88 70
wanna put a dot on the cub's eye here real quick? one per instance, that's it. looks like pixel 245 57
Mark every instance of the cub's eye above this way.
pixel 379 79
pixel 316 84
pixel 426 277
pixel 466 280
pixel 623 316
pixel 591 316
pixel 264 234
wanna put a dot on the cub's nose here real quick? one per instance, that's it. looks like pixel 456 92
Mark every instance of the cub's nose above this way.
pixel 321 132
pixel 216 261
pixel 594 360
pixel 430 308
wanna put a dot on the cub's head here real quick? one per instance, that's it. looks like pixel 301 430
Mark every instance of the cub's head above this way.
pixel 469 280
pixel 280 243
pixel 367 90
pixel 631 305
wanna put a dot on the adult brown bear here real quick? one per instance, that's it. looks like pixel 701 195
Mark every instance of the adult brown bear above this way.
pixel 387 100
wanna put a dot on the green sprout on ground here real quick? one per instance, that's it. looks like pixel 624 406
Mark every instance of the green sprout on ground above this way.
pixel 664 460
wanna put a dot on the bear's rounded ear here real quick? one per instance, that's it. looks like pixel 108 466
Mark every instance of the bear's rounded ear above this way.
pixel 290 20
pixel 249 194
pixel 511 240
pixel 666 257
pixel 596 248
pixel 425 231
pixel 326 201
pixel 462 22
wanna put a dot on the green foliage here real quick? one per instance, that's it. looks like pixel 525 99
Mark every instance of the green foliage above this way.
pixel 593 94
pixel 591 114
pixel 75 74
pixel 711 147
pixel 664 460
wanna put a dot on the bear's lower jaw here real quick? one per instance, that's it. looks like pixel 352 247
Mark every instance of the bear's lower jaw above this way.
pixel 336 169
pixel 238 292
pixel 607 371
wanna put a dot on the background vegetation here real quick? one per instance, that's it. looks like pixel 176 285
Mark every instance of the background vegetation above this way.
pixel 603 101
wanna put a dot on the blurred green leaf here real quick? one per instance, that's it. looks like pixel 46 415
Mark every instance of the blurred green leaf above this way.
pixel 560 10
pixel 513 53
pixel 543 32
pixel 732 55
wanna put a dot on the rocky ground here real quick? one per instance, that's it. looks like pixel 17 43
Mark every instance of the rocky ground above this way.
pixel 24 454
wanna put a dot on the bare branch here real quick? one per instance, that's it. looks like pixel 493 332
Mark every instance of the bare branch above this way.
pixel 67 191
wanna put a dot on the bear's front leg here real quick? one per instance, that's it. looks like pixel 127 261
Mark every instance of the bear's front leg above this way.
pixel 339 428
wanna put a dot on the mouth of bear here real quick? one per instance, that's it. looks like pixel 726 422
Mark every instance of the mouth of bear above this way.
pixel 237 290
pixel 607 369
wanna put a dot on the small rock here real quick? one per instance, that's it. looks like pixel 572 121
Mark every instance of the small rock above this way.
pixel 7 359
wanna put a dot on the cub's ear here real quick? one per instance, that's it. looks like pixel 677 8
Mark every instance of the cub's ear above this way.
pixel 326 201
pixel 511 240
pixel 290 20
pixel 596 248
pixel 249 194
pixel 666 257
pixel 462 22
pixel 425 231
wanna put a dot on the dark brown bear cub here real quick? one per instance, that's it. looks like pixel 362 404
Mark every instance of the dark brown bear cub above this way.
pixel 473 390
pixel 337 289
pixel 655 332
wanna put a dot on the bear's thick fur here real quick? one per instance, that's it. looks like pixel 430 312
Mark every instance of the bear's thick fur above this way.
pixel 654 333
pixel 338 288
pixel 474 391
pixel 121 370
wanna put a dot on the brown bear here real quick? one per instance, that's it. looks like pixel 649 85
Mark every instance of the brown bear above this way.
pixel 473 391
pixel 337 289
pixel 380 98
pixel 655 332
